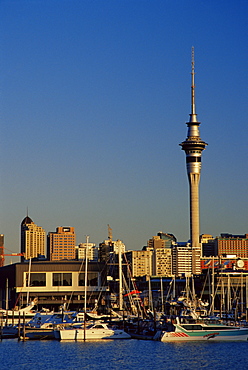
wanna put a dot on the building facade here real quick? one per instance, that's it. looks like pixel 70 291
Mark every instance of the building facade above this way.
pixel 32 239
pixel 229 244
pixel 140 262
pixel 162 262
pixel 87 249
pixel 109 249
pixel 208 245
pixel 61 244
pixel 181 260
pixel 53 283
pixel 161 246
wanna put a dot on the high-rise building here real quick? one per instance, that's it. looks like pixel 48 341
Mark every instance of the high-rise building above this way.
pixel 208 245
pixel 61 244
pixel 229 244
pixel 193 147
pixel 87 249
pixel 181 260
pixel 155 242
pixel 32 239
pixel 140 262
pixel 161 247
pixel 162 262
pixel 109 249
pixel 169 239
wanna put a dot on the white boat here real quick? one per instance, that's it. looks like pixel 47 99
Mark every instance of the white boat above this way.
pixel 97 331
pixel 14 316
pixel 205 331
pixel 44 323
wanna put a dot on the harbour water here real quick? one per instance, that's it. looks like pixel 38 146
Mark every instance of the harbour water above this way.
pixel 123 354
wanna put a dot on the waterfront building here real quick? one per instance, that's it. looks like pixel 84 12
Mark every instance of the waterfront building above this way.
pixel 87 249
pixel 61 244
pixel 32 239
pixel 193 147
pixel 54 283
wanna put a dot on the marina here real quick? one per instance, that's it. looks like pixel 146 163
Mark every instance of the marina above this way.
pixel 93 98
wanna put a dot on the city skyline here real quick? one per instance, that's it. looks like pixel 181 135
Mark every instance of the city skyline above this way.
pixel 94 101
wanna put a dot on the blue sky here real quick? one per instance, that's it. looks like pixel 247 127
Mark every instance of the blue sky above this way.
pixel 94 100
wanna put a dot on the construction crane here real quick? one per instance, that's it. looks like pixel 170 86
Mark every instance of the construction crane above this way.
pixel 2 259
pixel 110 233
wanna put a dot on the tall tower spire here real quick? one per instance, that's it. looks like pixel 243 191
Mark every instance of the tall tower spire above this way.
pixel 193 147
pixel 193 114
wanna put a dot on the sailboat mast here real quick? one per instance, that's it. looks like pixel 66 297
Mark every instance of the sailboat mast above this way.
pixel 7 295
pixel 120 277
pixel 86 274
pixel 29 272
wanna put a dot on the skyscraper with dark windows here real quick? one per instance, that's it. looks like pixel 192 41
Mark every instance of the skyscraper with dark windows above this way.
pixel 32 239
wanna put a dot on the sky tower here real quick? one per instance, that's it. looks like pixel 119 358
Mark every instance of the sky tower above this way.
pixel 193 147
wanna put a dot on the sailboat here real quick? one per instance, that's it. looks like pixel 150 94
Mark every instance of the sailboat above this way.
pixel 15 315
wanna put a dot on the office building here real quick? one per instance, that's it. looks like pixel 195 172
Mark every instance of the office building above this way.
pixel 229 244
pixel 87 249
pixel 61 244
pixel 208 245
pixel 32 239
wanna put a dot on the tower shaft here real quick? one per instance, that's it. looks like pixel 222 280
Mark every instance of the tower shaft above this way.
pixel 194 180
pixel 193 147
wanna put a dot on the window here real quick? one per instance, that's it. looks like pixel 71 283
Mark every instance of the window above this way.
pixel 36 279
pixel 62 279
pixel 193 159
pixel 92 279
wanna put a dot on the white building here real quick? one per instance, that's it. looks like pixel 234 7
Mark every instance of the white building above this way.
pixel 92 251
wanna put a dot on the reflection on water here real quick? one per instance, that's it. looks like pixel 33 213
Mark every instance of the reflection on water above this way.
pixel 126 354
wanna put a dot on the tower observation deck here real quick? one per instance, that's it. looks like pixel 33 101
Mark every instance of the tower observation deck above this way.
pixel 193 147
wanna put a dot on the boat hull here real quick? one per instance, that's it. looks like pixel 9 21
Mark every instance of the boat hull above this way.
pixel 80 335
pixel 38 334
pixel 237 334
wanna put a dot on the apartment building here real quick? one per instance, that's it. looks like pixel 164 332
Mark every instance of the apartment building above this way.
pixel 140 262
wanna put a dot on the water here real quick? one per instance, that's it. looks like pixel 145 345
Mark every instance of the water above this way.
pixel 127 354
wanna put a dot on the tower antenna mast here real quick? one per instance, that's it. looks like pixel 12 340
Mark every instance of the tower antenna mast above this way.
pixel 193 110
